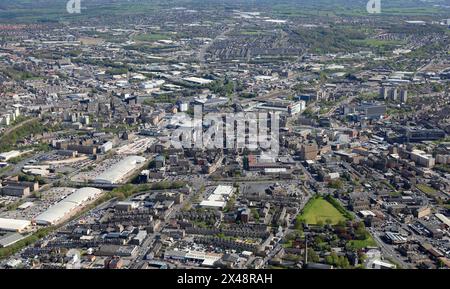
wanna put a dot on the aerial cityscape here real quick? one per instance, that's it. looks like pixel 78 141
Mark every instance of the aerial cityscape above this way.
pixel 225 134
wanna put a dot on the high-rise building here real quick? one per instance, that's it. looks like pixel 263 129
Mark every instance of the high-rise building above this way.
pixel 394 93
pixel 404 96
pixel 383 92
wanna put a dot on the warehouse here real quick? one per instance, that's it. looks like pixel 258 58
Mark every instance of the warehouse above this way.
pixel 395 238
pixel 15 191
pixel 14 225
pixel 218 199
pixel 67 207
pixel 83 195
pixel 116 173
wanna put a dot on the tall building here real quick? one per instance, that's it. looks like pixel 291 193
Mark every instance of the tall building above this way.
pixel 383 92
pixel 394 93
pixel 309 151
pixel 404 96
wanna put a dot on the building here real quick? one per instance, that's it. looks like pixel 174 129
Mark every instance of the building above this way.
pixel 67 207
pixel 15 191
pixel 218 199
pixel 119 171
pixel 394 94
pixel 14 225
pixel 373 111
pixel 197 80
pixel 404 96
pixel 107 146
pixel 283 106
pixel 422 212
pixel 418 135
pixel 160 162
pixel 443 219
pixel 84 149
pixel 126 206
pixel 395 238
pixel 384 92
pixel 113 263
pixel 4 157
pixel 309 151
pixel 422 158
pixel 34 186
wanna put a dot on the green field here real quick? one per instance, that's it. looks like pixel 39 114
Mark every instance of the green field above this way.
pixel 151 37
pixel 427 190
pixel 320 210
pixel 361 244
pixel 376 42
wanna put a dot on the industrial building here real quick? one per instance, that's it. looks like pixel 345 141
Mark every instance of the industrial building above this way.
pixel 285 107
pixel 116 173
pixel 67 206
pixel 14 225
pixel 395 238
pixel 218 199
pixel 202 258
pixel 15 191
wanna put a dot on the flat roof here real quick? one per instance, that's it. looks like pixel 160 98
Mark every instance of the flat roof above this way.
pixel 13 224
pixel 118 171
pixel 443 219
pixel 207 203
pixel 223 190
pixel 57 212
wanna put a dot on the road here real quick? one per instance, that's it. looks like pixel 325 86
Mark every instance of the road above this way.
pixel 387 250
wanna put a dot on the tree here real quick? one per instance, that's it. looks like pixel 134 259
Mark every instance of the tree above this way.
pixel 312 256
pixel 255 214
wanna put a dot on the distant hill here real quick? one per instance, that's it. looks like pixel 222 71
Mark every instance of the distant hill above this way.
pixel 55 10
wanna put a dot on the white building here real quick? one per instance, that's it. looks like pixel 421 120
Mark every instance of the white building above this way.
pixel 151 84
pixel 9 155
pixel 219 198
pixel 14 225
pixel 198 80
pixel 107 146
pixel 116 173
pixel 422 158
pixel 67 207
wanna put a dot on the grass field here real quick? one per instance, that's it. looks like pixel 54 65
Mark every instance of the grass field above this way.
pixel 376 42
pixel 427 190
pixel 360 244
pixel 151 37
pixel 320 210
